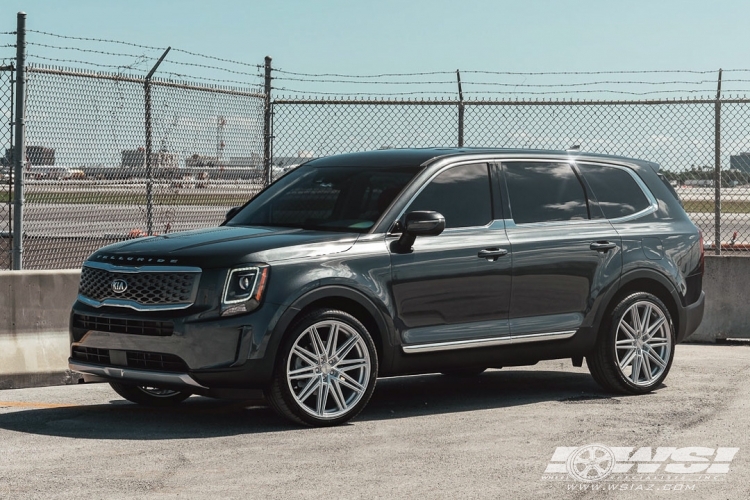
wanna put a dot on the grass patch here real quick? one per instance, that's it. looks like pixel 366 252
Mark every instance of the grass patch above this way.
pixel 103 198
pixel 727 206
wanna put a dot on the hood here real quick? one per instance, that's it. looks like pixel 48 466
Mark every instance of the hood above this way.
pixel 225 246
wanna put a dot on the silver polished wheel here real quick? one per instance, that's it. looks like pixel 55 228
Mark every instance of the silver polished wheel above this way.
pixel 158 392
pixel 643 343
pixel 328 369
pixel 149 395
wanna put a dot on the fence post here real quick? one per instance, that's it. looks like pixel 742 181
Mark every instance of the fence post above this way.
pixel 717 169
pixel 149 165
pixel 19 155
pixel 460 111
pixel 267 172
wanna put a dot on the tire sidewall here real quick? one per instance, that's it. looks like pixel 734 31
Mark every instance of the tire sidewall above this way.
pixel 283 360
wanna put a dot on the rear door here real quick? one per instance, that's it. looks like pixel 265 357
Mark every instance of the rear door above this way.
pixel 566 255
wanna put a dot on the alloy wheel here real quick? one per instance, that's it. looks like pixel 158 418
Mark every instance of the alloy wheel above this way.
pixel 328 369
pixel 643 343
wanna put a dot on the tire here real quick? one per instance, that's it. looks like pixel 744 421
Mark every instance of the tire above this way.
pixel 149 396
pixel 635 348
pixel 464 372
pixel 326 370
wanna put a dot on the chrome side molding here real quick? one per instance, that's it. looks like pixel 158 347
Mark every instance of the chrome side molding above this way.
pixel 487 342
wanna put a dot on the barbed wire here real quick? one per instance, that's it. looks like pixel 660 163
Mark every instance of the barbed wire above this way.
pixel 141 57
pixel 339 75
pixel 121 66
pixel 216 80
pixel 168 61
pixel 613 72
pixel 7 32
pixel 518 73
pixel 284 78
pixel 503 84
pixel 259 66
pixel 425 92
pixel 609 91
pixel 91 51
pixel 132 67
pixel 103 40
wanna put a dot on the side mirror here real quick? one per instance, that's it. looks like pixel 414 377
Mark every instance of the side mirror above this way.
pixel 420 223
pixel 231 213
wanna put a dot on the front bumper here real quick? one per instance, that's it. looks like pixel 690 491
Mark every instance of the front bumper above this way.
pixel 125 374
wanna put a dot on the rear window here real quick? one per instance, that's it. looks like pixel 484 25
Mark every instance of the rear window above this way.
pixel 618 194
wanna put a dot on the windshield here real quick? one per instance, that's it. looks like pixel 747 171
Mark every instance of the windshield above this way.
pixel 347 199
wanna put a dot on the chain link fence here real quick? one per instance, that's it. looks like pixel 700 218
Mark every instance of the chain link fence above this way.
pixel 88 175
pixel 680 135
pixel 118 155
pixel 6 167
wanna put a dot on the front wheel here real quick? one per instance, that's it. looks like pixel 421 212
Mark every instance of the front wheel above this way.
pixel 149 396
pixel 325 371
pixel 635 354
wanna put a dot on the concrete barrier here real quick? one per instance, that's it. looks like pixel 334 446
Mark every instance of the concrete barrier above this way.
pixel 35 308
pixel 727 286
pixel 34 314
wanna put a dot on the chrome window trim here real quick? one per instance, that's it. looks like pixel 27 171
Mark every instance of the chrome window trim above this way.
pixel 653 207
pixel 653 204
pixel 439 171
pixel 486 342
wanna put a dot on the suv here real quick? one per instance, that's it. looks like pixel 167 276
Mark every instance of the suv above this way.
pixel 395 262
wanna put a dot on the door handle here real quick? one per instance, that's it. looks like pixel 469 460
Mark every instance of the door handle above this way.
pixel 492 253
pixel 602 246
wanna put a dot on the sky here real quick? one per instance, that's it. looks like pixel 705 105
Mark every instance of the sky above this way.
pixel 408 36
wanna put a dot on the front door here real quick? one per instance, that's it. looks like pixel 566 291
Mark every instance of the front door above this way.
pixel 453 289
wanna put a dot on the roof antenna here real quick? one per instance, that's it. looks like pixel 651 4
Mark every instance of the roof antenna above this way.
pixel 573 148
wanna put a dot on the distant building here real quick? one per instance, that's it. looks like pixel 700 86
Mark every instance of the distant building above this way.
pixel 740 162
pixel 39 155
pixel 252 161
pixel 201 161
pixel 136 158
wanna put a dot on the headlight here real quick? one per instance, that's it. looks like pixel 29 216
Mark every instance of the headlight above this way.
pixel 243 289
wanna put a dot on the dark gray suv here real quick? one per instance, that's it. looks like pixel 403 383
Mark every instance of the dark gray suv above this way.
pixel 398 262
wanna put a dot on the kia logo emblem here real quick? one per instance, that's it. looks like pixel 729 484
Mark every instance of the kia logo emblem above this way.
pixel 119 286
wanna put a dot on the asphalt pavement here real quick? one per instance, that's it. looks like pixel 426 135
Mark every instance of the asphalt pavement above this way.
pixel 506 434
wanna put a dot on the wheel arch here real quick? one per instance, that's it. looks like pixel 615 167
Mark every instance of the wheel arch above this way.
pixel 648 281
pixel 344 299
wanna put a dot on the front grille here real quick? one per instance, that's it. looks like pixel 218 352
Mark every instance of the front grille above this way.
pixel 91 354
pixel 156 361
pixel 146 288
pixel 129 326
pixel 136 359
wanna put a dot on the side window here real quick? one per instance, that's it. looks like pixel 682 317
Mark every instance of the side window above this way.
pixel 461 194
pixel 616 191
pixel 544 192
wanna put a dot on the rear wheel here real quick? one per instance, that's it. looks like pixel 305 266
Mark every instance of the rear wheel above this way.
pixel 326 370
pixel 635 354
pixel 149 396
